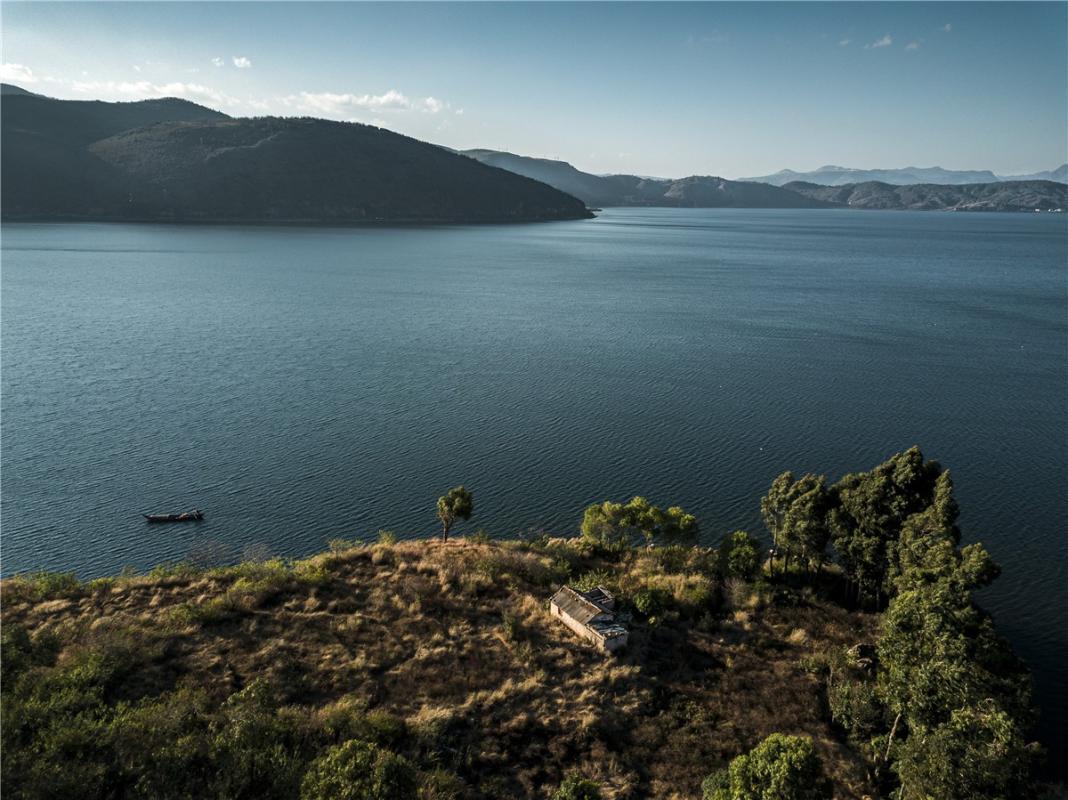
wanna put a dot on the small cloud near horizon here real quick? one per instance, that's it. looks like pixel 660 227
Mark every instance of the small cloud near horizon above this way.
pixel 886 41
pixel 947 27
pixel 17 72
pixel 912 46
pixel 845 42
pixel 345 105
pixel 241 62
pixel 218 61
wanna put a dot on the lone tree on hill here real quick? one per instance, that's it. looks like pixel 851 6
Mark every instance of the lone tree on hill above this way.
pixel 457 504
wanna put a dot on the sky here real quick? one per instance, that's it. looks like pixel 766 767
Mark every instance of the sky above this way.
pixel 660 89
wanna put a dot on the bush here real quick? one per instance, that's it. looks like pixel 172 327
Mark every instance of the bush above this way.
pixel 779 768
pixel 739 556
pixel 387 538
pixel 38 586
pixel 855 706
pixel 358 770
pixel 650 601
pixel 575 787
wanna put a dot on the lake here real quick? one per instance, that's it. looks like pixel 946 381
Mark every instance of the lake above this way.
pixel 302 384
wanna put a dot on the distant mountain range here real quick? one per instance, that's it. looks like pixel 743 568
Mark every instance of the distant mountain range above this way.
pixel 840 176
pixel 707 192
pixel 696 191
pixel 174 160
pixel 1001 196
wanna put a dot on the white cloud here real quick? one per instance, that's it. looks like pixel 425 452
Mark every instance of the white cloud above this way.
pixel 912 46
pixel 144 90
pixel 947 27
pixel 241 62
pixel 347 105
pixel 17 72
pixel 844 42
pixel 886 41
pixel 137 67
pixel 217 61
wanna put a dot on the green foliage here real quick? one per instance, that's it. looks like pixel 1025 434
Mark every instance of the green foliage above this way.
pixel 359 770
pixel 739 556
pixel 855 705
pixel 651 601
pixel 979 753
pixel 795 513
pixel 616 526
pixel 869 510
pixel 779 768
pixel 38 586
pixel 456 504
pixel 575 787
pixel 593 579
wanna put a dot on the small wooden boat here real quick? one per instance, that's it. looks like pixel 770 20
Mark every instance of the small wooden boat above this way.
pixel 185 516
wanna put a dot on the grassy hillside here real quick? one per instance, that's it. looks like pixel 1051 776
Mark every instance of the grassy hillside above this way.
pixel 184 682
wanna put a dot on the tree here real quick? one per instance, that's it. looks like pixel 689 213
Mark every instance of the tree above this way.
pixel 617 525
pixel 359 770
pixel 456 504
pixel 795 513
pixel 979 753
pixel 779 768
pixel 868 511
pixel 739 556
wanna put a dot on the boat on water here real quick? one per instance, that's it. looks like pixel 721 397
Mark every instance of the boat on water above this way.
pixel 185 516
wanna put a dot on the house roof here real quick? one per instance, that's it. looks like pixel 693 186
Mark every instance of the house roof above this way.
pixel 576 605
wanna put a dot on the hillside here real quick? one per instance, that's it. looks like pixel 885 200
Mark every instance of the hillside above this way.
pixel 445 653
pixel 170 160
pixel 432 669
pixel 840 176
pixel 45 166
pixel 631 190
pixel 1007 196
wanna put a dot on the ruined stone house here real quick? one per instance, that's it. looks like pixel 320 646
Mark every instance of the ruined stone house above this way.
pixel 591 615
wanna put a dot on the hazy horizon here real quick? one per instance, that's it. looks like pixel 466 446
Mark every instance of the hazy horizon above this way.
pixel 666 89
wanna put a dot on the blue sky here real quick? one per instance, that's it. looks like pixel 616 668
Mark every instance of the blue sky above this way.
pixel 731 89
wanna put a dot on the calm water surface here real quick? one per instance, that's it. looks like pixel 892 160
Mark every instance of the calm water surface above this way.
pixel 305 384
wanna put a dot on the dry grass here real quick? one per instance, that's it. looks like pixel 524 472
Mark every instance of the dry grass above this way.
pixel 456 640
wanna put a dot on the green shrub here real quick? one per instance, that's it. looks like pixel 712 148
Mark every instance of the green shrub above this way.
pixel 739 556
pixel 651 601
pixel 855 706
pixel 592 580
pixel 575 787
pixel 779 768
pixel 38 586
pixel 388 538
pixel 359 770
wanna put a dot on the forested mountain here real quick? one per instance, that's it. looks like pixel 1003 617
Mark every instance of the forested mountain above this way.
pixel 697 191
pixel 174 160
pixel 1007 196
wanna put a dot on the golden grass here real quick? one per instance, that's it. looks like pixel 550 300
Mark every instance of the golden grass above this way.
pixel 457 641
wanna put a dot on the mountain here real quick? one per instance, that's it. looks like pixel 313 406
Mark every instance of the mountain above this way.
pixel 1001 196
pixel 172 160
pixel 1060 175
pixel 696 191
pixel 841 176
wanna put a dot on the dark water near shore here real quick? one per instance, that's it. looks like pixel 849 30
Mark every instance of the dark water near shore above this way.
pixel 302 384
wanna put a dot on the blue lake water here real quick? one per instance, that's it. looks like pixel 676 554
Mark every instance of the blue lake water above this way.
pixel 300 384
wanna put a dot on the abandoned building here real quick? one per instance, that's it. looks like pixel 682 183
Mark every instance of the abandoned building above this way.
pixel 591 615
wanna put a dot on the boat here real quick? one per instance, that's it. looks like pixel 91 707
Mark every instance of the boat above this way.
pixel 185 516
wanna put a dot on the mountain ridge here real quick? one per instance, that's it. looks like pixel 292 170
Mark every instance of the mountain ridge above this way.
pixel 172 160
